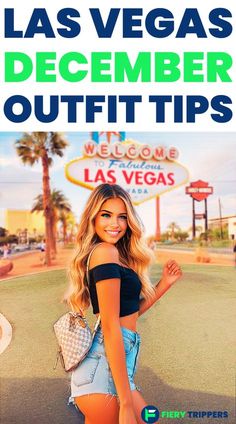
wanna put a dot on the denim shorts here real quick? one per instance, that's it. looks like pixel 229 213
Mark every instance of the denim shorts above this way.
pixel 93 375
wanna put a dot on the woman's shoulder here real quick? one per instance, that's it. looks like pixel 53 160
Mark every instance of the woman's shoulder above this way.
pixel 104 253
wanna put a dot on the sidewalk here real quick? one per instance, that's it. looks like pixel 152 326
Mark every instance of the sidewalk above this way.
pixel 189 257
pixel 31 262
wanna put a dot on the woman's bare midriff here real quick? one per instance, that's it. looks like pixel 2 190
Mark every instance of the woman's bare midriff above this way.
pixel 129 321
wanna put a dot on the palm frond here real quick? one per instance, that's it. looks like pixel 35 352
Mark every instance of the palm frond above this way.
pixel 58 202
pixel 38 204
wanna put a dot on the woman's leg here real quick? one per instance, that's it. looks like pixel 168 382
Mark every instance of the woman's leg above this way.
pixel 99 408
pixel 104 408
pixel 139 404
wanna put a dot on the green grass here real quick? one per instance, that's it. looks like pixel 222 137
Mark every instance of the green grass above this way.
pixel 31 391
pixel 32 304
pixel 69 246
pixel 194 244
pixel 189 332
pixel 190 270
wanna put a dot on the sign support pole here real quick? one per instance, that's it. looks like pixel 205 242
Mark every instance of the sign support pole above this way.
pixel 194 226
pixel 158 226
pixel 206 220
pixel 199 191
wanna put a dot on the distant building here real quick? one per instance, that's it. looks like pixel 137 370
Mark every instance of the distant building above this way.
pixel 228 222
pixel 18 221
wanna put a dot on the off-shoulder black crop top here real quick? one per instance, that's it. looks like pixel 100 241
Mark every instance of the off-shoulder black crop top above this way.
pixel 130 286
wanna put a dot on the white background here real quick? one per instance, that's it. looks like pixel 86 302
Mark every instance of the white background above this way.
pixel 88 41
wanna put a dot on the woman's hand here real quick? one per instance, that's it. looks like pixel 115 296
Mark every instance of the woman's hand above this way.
pixel 171 272
pixel 127 415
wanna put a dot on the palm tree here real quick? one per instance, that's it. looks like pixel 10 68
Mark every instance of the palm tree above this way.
pixel 198 228
pixel 173 227
pixel 33 147
pixel 3 232
pixel 18 233
pixel 58 204
pixel 63 218
pixel 68 220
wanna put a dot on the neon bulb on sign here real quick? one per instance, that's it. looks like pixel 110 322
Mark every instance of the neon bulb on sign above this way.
pixel 131 151
pixel 144 171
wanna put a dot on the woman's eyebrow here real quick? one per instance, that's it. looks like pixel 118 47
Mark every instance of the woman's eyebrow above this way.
pixel 105 210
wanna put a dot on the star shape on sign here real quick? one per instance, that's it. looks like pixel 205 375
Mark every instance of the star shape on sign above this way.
pixel 109 135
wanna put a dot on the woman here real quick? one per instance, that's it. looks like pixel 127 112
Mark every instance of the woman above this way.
pixel 102 386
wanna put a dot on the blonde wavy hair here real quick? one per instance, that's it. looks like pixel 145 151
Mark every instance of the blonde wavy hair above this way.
pixel 132 247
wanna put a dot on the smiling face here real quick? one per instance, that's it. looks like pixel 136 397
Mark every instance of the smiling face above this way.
pixel 111 221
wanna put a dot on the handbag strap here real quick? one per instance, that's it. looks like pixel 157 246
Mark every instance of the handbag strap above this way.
pixel 87 275
pixel 88 260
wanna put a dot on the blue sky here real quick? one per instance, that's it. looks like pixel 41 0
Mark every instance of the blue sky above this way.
pixel 207 156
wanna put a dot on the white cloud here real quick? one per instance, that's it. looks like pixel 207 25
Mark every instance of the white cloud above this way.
pixel 6 161
pixel 18 196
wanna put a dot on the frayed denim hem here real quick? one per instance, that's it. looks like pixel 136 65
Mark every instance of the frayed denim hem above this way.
pixel 71 399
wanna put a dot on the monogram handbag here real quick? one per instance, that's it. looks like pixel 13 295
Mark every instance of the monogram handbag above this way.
pixel 74 335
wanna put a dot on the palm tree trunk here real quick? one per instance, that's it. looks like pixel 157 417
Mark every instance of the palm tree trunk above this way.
pixel 64 232
pixel 54 231
pixel 172 233
pixel 47 208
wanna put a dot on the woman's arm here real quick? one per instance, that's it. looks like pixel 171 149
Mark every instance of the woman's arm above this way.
pixel 170 274
pixel 108 292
